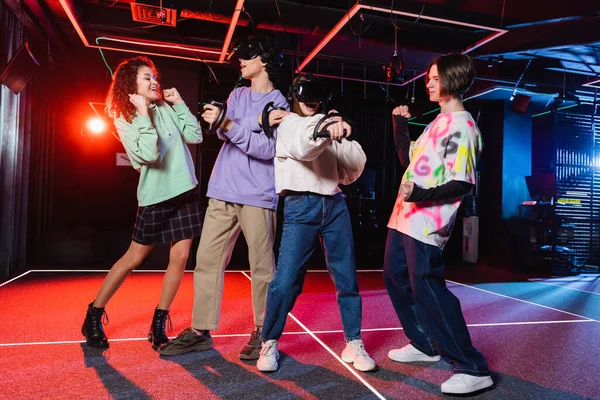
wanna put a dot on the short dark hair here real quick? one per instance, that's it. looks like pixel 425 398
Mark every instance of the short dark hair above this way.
pixel 456 72
pixel 271 55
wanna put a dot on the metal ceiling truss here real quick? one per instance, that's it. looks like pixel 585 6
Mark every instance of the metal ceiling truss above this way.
pixel 495 32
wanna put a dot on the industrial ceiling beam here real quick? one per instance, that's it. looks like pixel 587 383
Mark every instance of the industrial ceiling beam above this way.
pixel 236 14
pixel 69 8
pixel 496 32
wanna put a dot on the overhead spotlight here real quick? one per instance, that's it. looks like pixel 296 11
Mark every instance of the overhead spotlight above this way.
pixel 393 71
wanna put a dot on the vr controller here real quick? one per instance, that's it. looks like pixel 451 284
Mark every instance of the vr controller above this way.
pixel 267 128
pixel 322 132
pixel 220 118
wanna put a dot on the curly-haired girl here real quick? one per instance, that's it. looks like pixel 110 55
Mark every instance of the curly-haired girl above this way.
pixel 154 135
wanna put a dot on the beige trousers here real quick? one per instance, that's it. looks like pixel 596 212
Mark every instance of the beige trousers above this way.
pixel 223 223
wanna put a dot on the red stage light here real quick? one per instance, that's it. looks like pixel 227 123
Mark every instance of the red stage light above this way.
pixel 96 125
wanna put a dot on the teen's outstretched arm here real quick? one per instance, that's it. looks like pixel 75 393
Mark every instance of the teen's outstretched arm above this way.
pixel 255 145
pixel 295 141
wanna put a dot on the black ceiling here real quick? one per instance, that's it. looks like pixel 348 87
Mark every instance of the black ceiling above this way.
pixel 546 41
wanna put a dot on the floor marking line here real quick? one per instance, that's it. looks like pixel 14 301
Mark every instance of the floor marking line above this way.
pixel 563 287
pixel 14 279
pixel 348 367
pixel 521 300
pixel 306 333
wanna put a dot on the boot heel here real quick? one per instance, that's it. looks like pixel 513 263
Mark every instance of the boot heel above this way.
pixel 92 327
pixel 156 335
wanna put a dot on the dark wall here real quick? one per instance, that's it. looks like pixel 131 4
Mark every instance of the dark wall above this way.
pixel 94 201
pixel 490 178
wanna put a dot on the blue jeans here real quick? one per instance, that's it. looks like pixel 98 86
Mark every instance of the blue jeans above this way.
pixel 308 217
pixel 429 313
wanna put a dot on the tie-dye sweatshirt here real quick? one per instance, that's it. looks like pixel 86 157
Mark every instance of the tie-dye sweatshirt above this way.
pixel 447 150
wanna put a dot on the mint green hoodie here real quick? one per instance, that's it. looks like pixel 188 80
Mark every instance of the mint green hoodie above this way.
pixel 156 146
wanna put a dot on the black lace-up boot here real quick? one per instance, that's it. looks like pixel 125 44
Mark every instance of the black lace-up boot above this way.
pixel 92 327
pixel 157 335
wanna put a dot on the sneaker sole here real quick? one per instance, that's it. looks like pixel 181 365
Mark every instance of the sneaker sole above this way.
pixel 471 389
pixel 350 361
pixel 249 357
pixel 268 369
pixel 416 359
pixel 370 369
pixel 180 351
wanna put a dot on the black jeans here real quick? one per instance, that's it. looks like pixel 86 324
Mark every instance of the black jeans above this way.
pixel 429 313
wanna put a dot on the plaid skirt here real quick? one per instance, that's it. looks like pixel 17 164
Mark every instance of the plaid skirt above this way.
pixel 169 221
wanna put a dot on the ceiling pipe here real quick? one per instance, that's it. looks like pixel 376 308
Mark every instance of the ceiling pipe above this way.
pixel 496 32
pixel 68 7
pixel 342 22
pixel 234 19
pixel 243 21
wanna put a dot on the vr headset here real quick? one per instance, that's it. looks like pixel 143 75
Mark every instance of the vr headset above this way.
pixel 246 49
pixel 310 92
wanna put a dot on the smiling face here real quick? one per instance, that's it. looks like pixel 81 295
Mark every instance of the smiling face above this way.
pixel 251 68
pixel 309 109
pixel 147 84
pixel 433 84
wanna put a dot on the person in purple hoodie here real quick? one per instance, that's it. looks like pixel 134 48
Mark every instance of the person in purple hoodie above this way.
pixel 242 198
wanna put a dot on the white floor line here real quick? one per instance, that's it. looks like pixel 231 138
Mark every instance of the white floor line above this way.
pixel 306 332
pixel 15 278
pixel 349 368
pixel 106 270
pixel 563 287
pixel 576 278
pixel 524 301
pixel 162 271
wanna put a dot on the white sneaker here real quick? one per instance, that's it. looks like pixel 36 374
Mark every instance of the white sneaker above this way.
pixel 355 354
pixel 409 353
pixel 267 362
pixel 463 384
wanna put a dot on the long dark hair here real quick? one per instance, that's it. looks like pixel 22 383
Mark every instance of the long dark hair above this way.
pixel 124 83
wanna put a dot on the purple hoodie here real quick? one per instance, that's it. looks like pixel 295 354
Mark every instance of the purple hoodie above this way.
pixel 244 170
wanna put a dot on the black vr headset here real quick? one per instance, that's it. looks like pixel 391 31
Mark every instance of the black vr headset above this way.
pixel 309 92
pixel 248 49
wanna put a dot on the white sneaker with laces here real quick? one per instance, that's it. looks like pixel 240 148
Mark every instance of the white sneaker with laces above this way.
pixel 267 362
pixel 409 353
pixel 463 384
pixel 355 354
